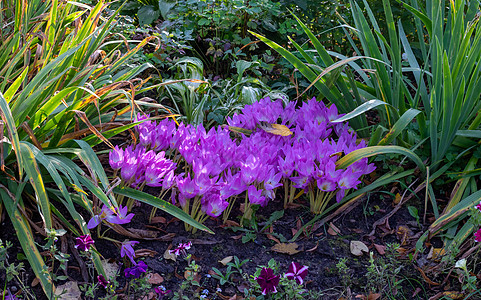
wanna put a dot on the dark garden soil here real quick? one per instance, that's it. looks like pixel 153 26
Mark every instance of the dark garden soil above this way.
pixel 320 248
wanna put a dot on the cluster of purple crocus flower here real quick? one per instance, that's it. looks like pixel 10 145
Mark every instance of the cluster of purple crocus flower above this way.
pixel 207 170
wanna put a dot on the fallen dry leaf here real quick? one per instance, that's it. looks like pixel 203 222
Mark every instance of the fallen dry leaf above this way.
pixel 158 220
pixel 358 247
pixel 373 296
pixel 380 248
pixel 454 295
pixel 333 230
pixel 436 253
pixel 155 279
pixel 145 252
pixel 110 269
pixel 397 199
pixel 236 237
pixel 189 273
pixel 276 129
pixel 168 255
pixel 68 291
pixel 226 260
pixel 313 248
pixel 272 238
pixel 144 233
pixel 290 248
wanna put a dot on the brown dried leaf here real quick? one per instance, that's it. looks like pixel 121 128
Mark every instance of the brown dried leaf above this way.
pixel 380 248
pixel 226 260
pixel 277 129
pixel 236 237
pixel 290 248
pixel 313 248
pixel 68 291
pixel 397 199
pixel 272 238
pixel 333 230
pixel 373 296
pixel 144 233
pixel 155 279
pixel 358 247
pixel 454 295
pixel 145 252
pixel 168 255
pixel 110 269
pixel 161 220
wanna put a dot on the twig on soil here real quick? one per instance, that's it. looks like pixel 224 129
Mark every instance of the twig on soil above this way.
pixel 398 206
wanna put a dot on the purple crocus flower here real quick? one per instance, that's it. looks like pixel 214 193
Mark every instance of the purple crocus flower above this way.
pixel 102 281
pixel 122 216
pixel 136 271
pixel 116 158
pixel 214 205
pixel 297 271
pixel 268 281
pixel 127 249
pixel 255 196
pixel 84 242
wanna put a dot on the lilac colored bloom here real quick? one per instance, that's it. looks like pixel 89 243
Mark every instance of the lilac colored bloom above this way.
pixel 136 271
pixel 477 235
pixel 114 216
pixel 84 242
pixel 182 248
pixel 268 281
pixel 214 205
pixel 255 196
pixel 161 291
pixel 272 181
pixel 116 157
pixel 297 271
pixel 122 216
pixel 129 167
pixel 127 249
pixel 102 281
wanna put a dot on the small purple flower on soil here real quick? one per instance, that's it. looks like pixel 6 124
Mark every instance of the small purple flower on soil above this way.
pixel 161 291
pixel 102 281
pixel 122 217
pixel 477 235
pixel 84 242
pixel 297 271
pixel 182 248
pixel 126 249
pixel 268 281
pixel 136 271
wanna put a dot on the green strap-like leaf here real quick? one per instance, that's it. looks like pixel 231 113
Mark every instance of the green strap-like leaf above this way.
pixel 358 154
pixel 161 204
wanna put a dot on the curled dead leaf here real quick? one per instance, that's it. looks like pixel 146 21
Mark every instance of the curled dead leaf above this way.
pixel 226 260
pixel 358 247
pixel 68 291
pixel 277 129
pixel 155 279
pixel 287 248
pixel 168 255
pixel 333 230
